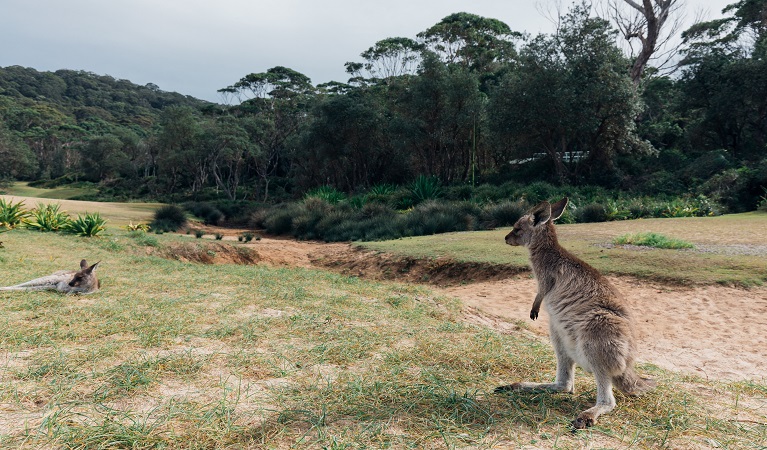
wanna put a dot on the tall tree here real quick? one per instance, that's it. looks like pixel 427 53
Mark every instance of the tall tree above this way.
pixel 647 26
pixel 478 43
pixel 277 106
pixel 570 99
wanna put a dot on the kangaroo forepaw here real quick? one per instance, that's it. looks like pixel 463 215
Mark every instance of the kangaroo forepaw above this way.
pixel 584 420
pixel 534 314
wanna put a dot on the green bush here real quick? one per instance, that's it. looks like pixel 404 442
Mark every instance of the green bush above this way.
pixel 502 214
pixel 593 212
pixel 12 214
pixel 327 193
pixel 48 218
pixel 652 240
pixel 169 218
pixel 88 225
pixel 209 214
pixel 425 188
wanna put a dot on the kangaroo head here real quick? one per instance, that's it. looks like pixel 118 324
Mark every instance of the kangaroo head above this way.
pixel 84 280
pixel 536 221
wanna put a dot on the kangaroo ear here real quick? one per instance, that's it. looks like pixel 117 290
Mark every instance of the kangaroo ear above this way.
pixel 541 213
pixel 93 267
pixel 83 264
pixel 558 208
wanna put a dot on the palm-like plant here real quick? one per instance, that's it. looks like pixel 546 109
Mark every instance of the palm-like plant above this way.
pixel 88 225
pixel 48 218
pixel 11 214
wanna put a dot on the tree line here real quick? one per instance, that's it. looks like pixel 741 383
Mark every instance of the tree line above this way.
pixel 466 102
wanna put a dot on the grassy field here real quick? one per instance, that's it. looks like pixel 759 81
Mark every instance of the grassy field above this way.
pixel 178 355
pixel 730 249
pixel 23 189
pixel 117 214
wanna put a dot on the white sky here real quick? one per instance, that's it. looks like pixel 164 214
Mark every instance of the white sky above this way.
pixel 195 47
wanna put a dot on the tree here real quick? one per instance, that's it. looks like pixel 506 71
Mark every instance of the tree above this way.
pixel 388 58
pixel 725 80
pixel 439 115
pixel 570 99
pixel 18 160
pixel 277 106
pixel 647 26
pixel 475 42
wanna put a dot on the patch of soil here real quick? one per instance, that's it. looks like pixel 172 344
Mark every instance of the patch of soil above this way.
pixel 207 253
pixel 354 261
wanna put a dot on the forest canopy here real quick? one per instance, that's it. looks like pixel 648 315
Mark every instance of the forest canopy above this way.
pixel 467 102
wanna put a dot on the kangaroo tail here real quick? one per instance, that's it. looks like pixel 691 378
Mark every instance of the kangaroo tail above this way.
pixel 632 384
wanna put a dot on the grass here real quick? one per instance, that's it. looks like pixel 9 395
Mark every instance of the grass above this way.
pixel 178 355
pixel 652 240
pixel 23 189
pixel 118 214
pixel 589 242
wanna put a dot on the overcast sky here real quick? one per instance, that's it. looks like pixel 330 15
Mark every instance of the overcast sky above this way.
pixel 195 47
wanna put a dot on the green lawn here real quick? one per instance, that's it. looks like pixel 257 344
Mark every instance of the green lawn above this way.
pixel 117 214
pixel 717 235
pixel 180 355
pixel 23 189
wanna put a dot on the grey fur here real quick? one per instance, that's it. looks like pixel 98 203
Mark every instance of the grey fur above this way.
pixel 81 281
pixel 590 324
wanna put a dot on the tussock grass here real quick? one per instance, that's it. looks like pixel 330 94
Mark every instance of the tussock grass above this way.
pixel 652 240
pixel 181 355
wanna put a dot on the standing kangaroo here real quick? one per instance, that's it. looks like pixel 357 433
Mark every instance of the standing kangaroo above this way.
pixel 82 281
pixel 589 322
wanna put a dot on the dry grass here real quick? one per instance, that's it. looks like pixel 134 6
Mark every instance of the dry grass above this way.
pixel 181 355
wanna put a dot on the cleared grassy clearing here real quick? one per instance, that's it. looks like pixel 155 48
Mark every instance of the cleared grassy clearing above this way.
pixel 190 356
pixel 23 189
pixel 590 242
pixel 117 214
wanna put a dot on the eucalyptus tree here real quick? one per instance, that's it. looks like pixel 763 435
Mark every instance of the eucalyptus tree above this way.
pixel 439 115
pixel 276 104
pixel 570 99
pixel 648 28
pixel 725 81
pixel 477 43
pixel 389 58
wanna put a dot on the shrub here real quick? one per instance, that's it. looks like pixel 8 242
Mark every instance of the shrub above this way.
pixel 137 227
pixel 48 218
pixel 652 240
pixel 425 188
pixel 12 214
pixel 593 212
pixel 88 225
pixel 208 213
pixel 502 214
pixel 169 218
pixel 247 236
pixel 218 236
pixel 327 193
pixel 199 234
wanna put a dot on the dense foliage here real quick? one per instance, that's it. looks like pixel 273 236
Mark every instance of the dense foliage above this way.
pixel 465 106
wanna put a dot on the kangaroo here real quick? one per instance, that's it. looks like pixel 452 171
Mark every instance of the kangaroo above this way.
pixel 82 281
pixel 590 324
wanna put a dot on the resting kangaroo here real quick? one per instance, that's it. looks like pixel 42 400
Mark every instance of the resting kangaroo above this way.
pixel 590 324
pixel 82 281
